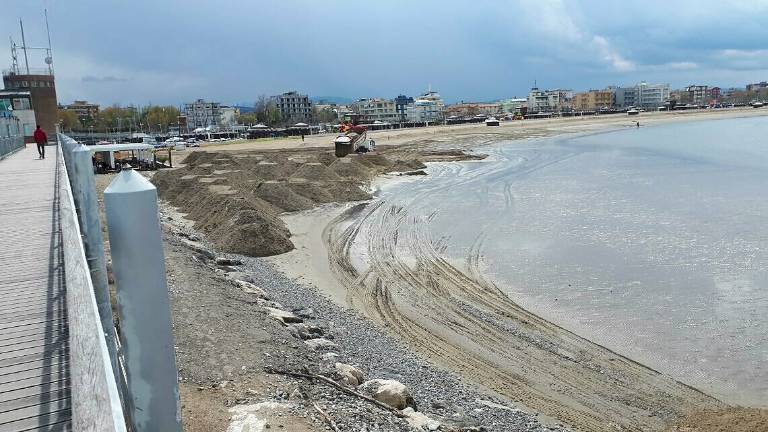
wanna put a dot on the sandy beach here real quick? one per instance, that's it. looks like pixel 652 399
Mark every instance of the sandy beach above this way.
pixel 452 316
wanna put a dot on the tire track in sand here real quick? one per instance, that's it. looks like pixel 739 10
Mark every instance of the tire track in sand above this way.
pixel 468 325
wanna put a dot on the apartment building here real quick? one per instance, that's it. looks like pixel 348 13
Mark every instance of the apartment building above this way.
pixel 593 100
pixel 642 95
pixel 465 109
pixel 428 107
pixel 375 109
pixel 294 107
pixel 401 106
pixel 202 114
pixel 549 100
pixel 513 105
pixel 86 112
pixel 698 94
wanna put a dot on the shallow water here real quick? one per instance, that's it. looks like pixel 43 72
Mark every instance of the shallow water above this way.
pixel 650 241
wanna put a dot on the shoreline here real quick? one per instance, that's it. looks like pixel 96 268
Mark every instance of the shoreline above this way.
pixel 314 226
pixel 309 263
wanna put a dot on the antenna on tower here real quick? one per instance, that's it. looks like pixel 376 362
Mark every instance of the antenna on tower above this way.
pixel 14 57
pixel 49 56
pixel 24 45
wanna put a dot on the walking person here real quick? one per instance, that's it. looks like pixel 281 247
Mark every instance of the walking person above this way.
pixel 41 139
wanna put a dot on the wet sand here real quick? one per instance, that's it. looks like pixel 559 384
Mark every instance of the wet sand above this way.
pixel 457 318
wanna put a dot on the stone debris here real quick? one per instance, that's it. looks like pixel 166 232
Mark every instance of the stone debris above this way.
pixel 305 331
pixel 250 288
pixel 221 261
pixel 253 418
pixel 390 392
pixel 283 316
pixel 420 421
pixel 349 374
pixel 199 248
pixel 320 344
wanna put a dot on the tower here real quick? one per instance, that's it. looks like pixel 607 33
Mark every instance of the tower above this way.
pixel 38 81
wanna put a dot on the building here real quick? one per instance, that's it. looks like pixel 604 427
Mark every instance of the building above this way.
pixel 86 112
pixel 428 107
pixel 39 82
pixel 228 116
pixel 18 105
pixel 513 105
pixel 698 94
pixel 593 100
pixel 642 95
pixel 469 109
pixel 42 90
pixel 549 100
pixel 374 109
pixel 402 103
pixel 715 94
pixel 757 86
pixel 294 107
pixel 11 134
pixel 202 114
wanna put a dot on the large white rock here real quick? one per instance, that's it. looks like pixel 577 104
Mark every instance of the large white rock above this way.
pixel 250 288
pixel 390 392
pixel 284 317
pixel 320 343
pixel 350 374
pixel 420 421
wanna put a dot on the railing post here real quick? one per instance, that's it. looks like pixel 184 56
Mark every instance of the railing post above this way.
pixel 84 192
pixel 142 298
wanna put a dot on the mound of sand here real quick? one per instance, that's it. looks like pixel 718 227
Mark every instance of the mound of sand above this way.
pixel 348 167
pixel 281 195
pixel 315 171
pixel 237 201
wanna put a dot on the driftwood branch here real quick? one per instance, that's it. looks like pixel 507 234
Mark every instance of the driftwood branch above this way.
pixel 327 418
pixel 326 380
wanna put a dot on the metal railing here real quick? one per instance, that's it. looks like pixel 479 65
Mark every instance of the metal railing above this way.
pixel 9 145
pixel 131 375
pixel 96 404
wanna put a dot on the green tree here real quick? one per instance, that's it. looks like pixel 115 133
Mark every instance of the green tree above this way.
pixel 325 115
pixel 248 118
pixel 116 117
pixel 267 112
pixel 159 117
pixel 68 120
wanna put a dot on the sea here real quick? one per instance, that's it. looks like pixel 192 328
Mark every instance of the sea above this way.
pixel 651 241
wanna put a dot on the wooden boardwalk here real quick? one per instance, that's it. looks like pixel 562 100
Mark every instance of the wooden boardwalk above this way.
pixel 34 351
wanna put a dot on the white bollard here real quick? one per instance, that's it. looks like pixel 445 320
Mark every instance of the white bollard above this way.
pixel 142 298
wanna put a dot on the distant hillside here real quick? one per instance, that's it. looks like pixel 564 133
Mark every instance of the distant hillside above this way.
pixel 338 100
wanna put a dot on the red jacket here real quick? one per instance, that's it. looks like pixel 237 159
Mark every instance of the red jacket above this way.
pixel 40 136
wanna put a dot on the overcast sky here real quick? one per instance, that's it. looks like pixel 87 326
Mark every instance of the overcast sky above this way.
pixel 172 51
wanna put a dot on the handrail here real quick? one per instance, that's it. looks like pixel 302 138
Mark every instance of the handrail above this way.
pixel 96 402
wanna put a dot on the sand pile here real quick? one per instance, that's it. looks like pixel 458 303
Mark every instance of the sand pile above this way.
pixel 351 168
pixel 236 198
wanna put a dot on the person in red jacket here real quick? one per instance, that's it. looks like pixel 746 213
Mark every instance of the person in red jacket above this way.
pixel 41 139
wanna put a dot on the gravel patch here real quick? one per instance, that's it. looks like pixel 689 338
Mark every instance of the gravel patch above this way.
pixel 440 394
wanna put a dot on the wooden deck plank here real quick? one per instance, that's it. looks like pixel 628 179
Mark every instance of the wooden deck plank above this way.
pixel 34 345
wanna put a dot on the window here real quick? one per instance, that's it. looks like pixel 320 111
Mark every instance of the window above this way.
pixel 34 83
pixel 21 104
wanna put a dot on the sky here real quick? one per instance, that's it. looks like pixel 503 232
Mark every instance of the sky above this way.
pixel 174 51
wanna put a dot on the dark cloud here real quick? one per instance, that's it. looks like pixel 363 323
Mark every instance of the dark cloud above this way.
pixel 174 50
pixel 102 79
